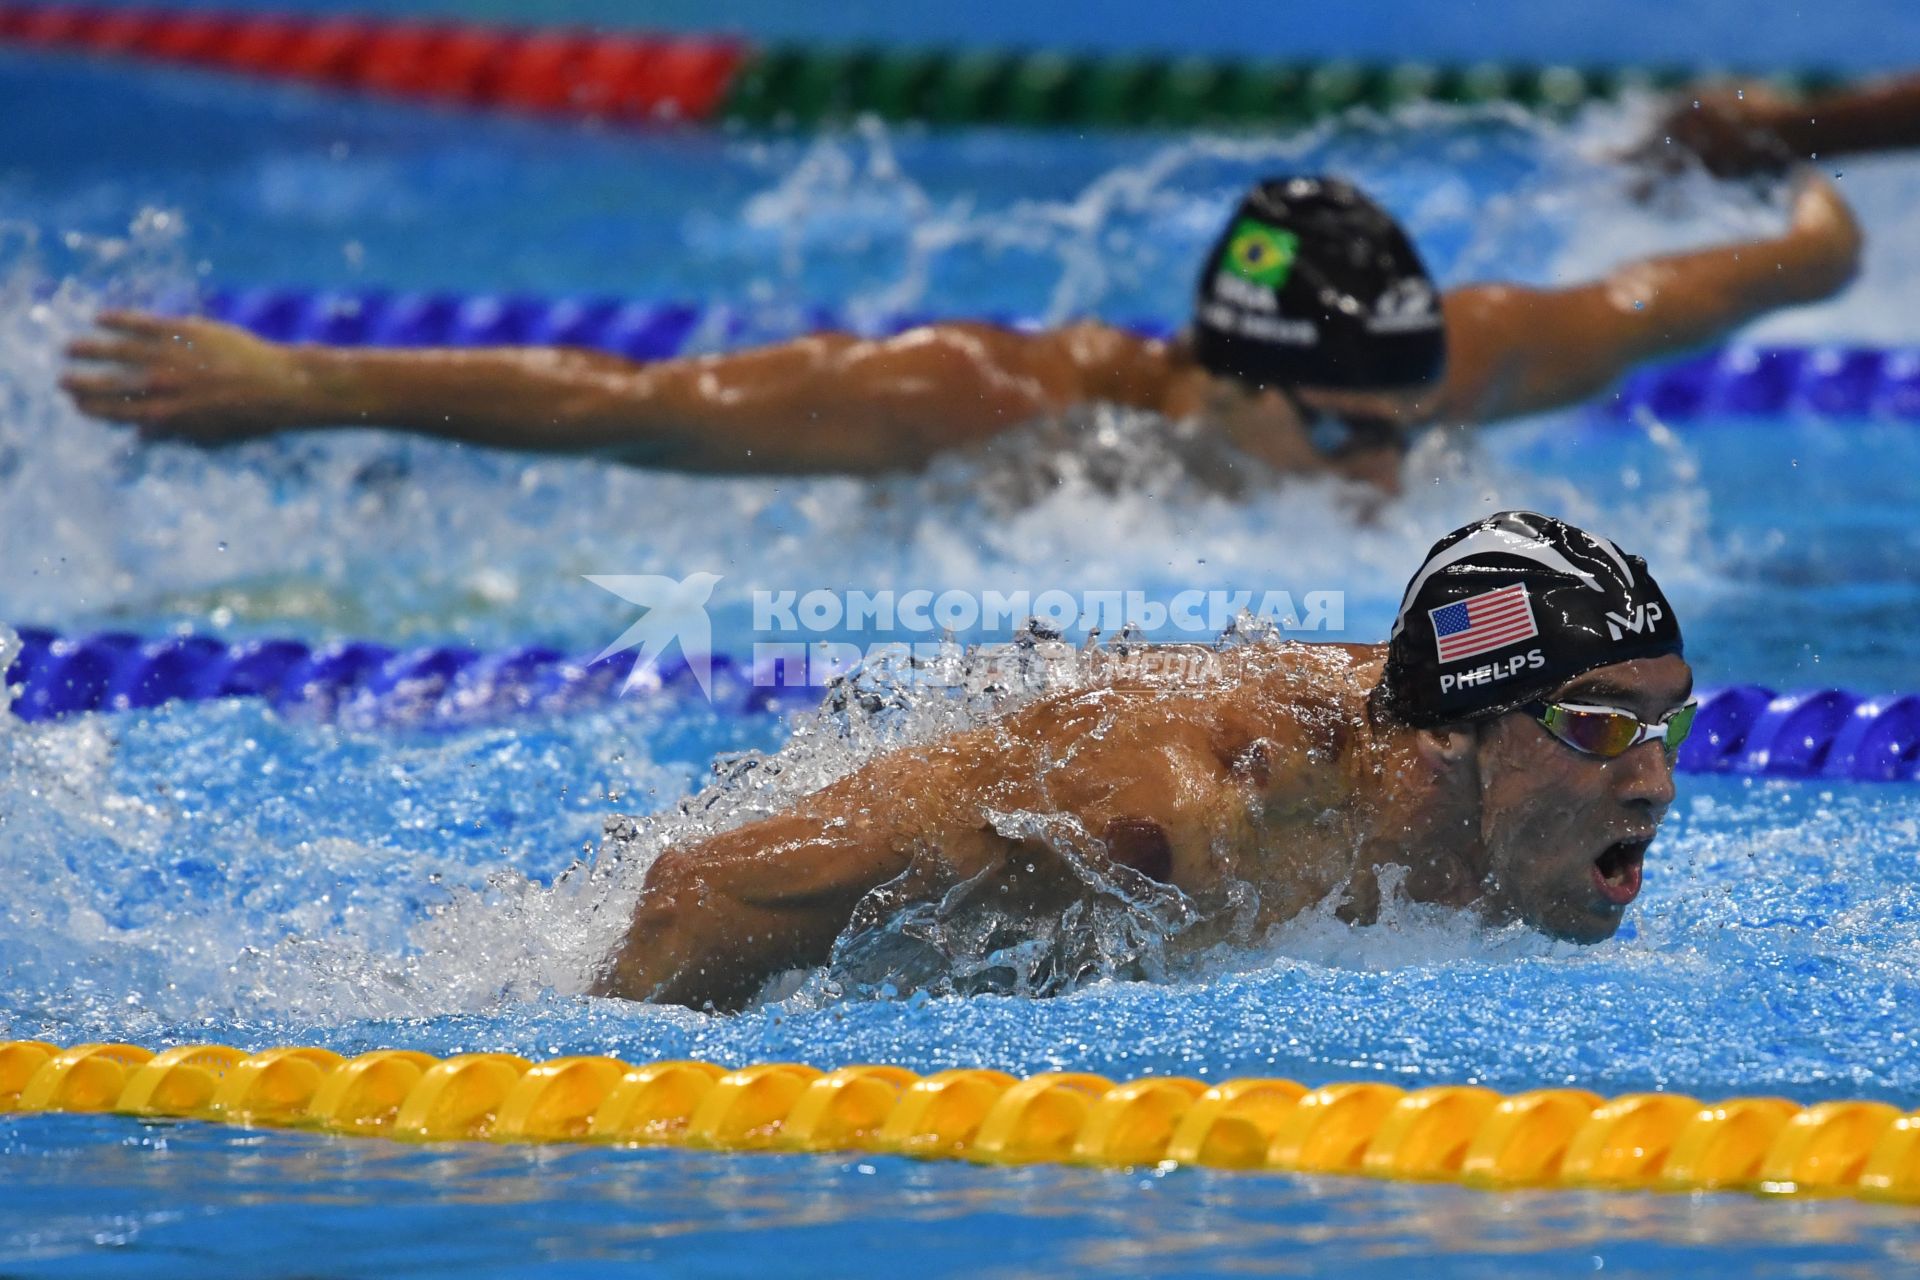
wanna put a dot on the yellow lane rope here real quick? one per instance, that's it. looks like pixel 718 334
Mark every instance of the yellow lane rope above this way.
pixel 1451 1133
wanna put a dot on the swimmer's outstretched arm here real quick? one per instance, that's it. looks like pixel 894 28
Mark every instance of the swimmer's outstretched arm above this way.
pixel 1514 350
pixel 717 918
pixel 1744 129
pixel 1160 781
pixel 827 403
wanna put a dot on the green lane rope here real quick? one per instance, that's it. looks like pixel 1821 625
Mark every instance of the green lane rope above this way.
pixel 803 85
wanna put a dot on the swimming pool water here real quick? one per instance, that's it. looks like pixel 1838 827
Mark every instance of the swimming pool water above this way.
pixel 219 872
pixel 568 1211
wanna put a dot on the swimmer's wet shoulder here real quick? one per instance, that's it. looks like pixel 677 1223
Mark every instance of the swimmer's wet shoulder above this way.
pixel 1221 764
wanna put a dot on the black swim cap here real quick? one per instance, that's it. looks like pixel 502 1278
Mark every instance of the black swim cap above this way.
pixel 1511 607
pixel 1313 284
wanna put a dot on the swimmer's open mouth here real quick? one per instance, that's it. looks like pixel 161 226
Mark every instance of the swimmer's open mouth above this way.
pixel 1617 871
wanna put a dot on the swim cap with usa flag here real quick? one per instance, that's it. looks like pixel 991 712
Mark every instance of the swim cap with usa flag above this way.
pixel 1313 284
pixel 1508 609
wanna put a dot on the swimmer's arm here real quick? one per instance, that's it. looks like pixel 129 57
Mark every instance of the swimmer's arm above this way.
pixel 1882 116
pixel 1156 781
pixel 1746 129
pixel 716 919
pixel 826 403
pixel 1516 350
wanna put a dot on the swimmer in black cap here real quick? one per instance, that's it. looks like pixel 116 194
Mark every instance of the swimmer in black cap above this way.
pixel 1318 344
pixel 1510 751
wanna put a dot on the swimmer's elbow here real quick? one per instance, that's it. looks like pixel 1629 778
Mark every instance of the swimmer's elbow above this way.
pixel 662 958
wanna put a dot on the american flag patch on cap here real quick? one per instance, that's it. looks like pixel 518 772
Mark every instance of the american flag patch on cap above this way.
pixel 1479 624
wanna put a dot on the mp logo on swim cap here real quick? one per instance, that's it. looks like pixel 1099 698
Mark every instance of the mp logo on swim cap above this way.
pixel 1645 617
pixel 1480 624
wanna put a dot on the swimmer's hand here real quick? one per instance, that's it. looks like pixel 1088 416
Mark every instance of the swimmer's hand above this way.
pixel 186 379
pixel 1734 131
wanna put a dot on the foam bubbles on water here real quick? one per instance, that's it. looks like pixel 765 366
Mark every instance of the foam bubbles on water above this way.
pixel 9 650
pixel 219 861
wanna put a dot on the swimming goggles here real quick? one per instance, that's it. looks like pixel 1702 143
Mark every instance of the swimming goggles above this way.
pixel 1334 436
pixel 1609 731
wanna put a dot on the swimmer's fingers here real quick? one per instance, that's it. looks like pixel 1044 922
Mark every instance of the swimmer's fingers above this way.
pixel 152 417
pixel 1648 170
pixel 90 388
pixel 143 325
pixel 1728 130
pixel 167 419
pixel 159 414
pixel 155 411
pixel 107 350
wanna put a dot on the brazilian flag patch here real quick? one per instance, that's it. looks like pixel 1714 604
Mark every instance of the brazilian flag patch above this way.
pixel 1261 254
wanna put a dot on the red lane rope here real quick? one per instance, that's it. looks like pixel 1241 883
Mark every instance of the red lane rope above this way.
pixel 563 72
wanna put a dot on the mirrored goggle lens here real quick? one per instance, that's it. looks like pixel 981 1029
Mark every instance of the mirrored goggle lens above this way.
pixel 1609 733
pixel 1679 727
pixel 1599 733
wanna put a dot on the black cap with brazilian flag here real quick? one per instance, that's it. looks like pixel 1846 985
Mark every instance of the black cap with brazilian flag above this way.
pixel 1313 284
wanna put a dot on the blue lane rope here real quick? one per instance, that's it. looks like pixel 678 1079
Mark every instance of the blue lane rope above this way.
pixel 1743 729
pixel 1838 381
pixel 357 680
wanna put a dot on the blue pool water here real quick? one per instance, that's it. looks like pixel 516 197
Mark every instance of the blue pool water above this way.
pixel 219 872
